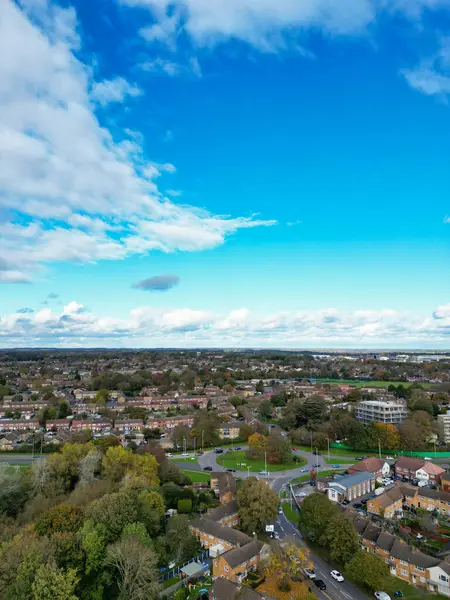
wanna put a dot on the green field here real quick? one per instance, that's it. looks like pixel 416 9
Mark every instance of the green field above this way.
pixel 332 461
pixel 197 476
pixel 231 460
pixel 341 452
pixel 372 383
pixel 290 512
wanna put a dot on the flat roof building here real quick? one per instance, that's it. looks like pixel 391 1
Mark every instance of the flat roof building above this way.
pixel 382 411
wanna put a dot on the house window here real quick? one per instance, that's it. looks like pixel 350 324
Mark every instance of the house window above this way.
pixel 403 562
pixel 404 572
pixel 443 578
pixel 420 569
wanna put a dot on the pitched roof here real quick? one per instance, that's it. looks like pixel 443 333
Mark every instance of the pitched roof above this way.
pixel 434 494
pixel 226 482
pixel 222 511
pixel 432 469
pixel 350 480
pixel 239 555
pixel 385 541
pixel 371 465
pixel 412 464
pixel 445 476
pixel 233 536
pixel 223 589
pixel 372 532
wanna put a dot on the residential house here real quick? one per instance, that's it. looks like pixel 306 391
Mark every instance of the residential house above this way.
pixel 230 430
pixel 19 425
pixel 387 505
pixel 7 442
pixel 418 468
pixel 237 563
pixel 380 468
pixel 168 423
pixel 225 514
pixel 350 487
pixel 224 485
pixel 445 482
pixel 216 537
pixel 94 425
pixel 223 589
pixel 58 424
pixel 128 425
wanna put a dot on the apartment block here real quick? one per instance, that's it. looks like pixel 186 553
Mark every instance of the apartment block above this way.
pixel 382 411
pixel 444 427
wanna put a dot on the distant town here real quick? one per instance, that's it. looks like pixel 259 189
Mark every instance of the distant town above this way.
pixel 320 475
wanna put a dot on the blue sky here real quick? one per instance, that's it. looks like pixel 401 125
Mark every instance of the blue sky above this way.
pixel 288 164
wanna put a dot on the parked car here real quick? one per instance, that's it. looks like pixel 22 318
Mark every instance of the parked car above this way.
pixel 237 448
pixel 426 458
pixel 169 454
pixel 185 454
pixel 218 450
pixel 422 483
pixel 304 470
pixel 280 511
pixel 336 466
pixel 294 449
pixel 357 505
pixel 300 495
pixel 316 452
pixel 207 468
pixel 320 584
pixel 316 466
pixel 310 573
pixel 264 472
pixel 389 458
pixel 336 575
pixel 231 470
pixel 358 458
pixel 381 596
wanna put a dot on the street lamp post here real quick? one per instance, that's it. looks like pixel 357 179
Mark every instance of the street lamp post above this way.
pixel 328 442
pixel 203 436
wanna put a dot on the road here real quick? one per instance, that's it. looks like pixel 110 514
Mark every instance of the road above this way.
pixel 19 459
pixel 335 590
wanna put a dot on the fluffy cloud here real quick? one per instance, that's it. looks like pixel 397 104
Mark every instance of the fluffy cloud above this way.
pixel 70 189
pixel 158 283
pixel 149 327
pixel 266 24
pixel 113 90
pixel 432 76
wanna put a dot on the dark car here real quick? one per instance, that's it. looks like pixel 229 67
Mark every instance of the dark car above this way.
pixel 218 450
pixel 312 483
pixel 207 468
pixel 320 584
pixel 231 470
pixel 238 448
pixel 363 501
pixel 316 466
pixel 357 505
pixel 316 452
pixel 359 458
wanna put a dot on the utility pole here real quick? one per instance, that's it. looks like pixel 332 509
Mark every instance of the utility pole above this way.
pixel 265 466
pixel 203 436
pixel 318 463
pixel 310 433
pixel 184 446
pixel 328 442
pixel 195 441
pixel 379 448
pixel 32 454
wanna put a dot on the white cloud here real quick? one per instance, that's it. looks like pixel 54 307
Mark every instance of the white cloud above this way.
pixel 432 75
pixel 266 24
pixel 160 65
pixel 71 190
pixel 148 326
pixel 113 90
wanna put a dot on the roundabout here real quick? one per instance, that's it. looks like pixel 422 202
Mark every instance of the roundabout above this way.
pixel 238 460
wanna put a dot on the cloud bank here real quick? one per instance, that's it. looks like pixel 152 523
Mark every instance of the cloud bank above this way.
pixel 146 326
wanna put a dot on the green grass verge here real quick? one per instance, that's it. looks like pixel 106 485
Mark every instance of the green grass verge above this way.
pixel 335 461
pixel 343 452
pixel 321 473
pixel 192 460
pixel 197 476
pixel 232 460
pixel 290 512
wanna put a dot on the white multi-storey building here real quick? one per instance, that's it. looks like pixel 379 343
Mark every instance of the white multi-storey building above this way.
pixel 383 411
pixel 444 427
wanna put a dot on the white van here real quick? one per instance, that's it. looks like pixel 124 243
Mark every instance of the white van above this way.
pixel 422 484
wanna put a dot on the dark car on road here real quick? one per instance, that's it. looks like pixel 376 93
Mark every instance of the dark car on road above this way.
pixel 316 466
pixel 320 584
pixel 357 505
pixel 231 470
pixel 316 452
pixel 238 448
pixel 218 450
pixel 207 468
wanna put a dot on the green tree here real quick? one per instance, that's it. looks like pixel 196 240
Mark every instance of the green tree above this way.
pixel 59 519
pixel 52 583
pixel 179 542
pixel 278 449
pixel 265 409
pixel 102 396
pixel 260 387
pixel 317 511
pixel 113 511
pixel 206 424
pixel 116 462
pixel 341 538
pixel 368 569
pixel 257 504
pixel 93 540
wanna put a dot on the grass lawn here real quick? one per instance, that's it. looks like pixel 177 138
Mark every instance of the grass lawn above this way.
pixel 335 461
pixel 232 460
pixel 172 581
pixel 290 512
pixel 187 459
pixel 197 476
pixel 307 476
